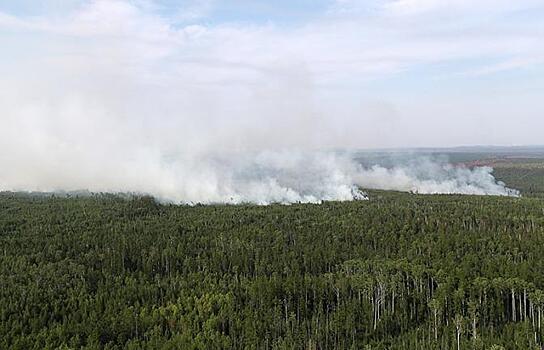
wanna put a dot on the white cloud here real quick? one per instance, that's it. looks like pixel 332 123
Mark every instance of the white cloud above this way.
pixel 345 47
pixel 453 7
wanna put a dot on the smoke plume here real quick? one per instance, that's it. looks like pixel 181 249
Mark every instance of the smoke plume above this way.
pixel 428 176
pixel 263 177
pixel 110 97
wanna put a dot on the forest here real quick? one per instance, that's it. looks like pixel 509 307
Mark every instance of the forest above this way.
pixel 399 271
pixel 524 174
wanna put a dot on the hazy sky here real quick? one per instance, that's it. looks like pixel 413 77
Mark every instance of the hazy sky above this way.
pixel 164 76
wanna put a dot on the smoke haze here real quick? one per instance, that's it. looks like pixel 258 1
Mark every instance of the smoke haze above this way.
pixel 112 97
pixel 264 177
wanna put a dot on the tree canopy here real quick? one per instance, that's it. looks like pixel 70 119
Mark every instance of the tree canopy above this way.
pixel 399 271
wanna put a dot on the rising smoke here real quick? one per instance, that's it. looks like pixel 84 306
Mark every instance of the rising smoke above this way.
pixel 111 98
pixel 265 177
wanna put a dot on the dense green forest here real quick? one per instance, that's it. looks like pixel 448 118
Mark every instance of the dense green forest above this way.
pixel 399 271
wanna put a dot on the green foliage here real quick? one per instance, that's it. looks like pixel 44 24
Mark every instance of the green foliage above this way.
pixel 526 177
pixel 397 272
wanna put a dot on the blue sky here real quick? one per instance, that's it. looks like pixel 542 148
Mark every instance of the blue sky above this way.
pixel 346 73
pixel 212 11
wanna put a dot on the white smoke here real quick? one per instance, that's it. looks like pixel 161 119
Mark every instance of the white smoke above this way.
pixel 112 98
pixel 434 177
pixel 261 177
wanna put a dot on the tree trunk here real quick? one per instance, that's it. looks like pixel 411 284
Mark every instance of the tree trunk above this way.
pixel 525 304
pixel 474 335
pixel 458 339
pixel 435 324
pixel 539 317
pixel 513 306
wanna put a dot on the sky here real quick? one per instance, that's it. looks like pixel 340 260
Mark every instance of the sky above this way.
pixel 266 74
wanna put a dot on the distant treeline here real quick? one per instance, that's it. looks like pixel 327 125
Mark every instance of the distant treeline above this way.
pixel 529 180
pixel 399 271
